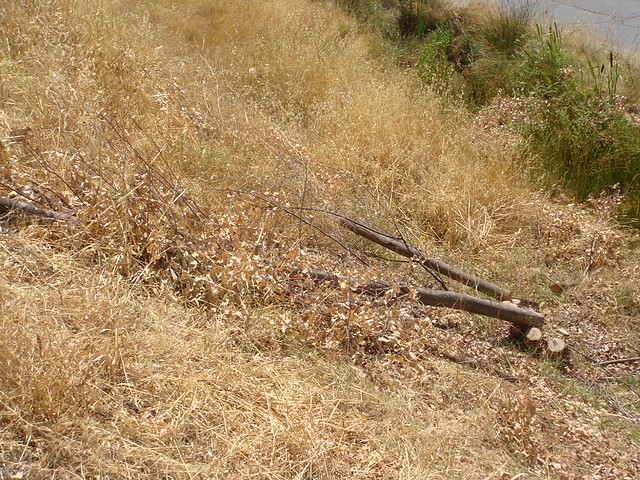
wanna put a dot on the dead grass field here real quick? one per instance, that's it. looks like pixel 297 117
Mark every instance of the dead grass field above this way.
pixel 159 336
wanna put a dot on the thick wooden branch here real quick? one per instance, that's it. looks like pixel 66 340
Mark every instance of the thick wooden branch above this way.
pixel 442 268
pixel 438 298
pixel 461 301
pixel 13 204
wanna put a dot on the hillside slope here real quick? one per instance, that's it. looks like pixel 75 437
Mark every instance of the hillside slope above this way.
pixel 165 332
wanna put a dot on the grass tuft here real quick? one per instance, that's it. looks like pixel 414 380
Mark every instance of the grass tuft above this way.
pixel 505 31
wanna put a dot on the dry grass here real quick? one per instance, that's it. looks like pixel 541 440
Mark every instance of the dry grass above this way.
pixel 100 380
pixel 154 338
pixel 311 82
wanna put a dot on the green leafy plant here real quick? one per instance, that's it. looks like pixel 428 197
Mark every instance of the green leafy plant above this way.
pixel 434 67
pixel 541 69
pixel 513 61
pixel 418 18
pixel 568 107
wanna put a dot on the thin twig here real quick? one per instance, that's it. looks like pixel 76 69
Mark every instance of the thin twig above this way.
pixel 583 354
pixel 479 365
pixel 288 210
pixel 471 362
pixel 619 360
pixel 417 260
pixel 608 363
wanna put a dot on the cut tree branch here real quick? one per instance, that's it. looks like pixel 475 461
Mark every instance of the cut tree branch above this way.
pixel 473 363
pixel 479 365
pixel 402 248
pixel 12 204
pixel 380 288
pixel 438 298
pixel 620 360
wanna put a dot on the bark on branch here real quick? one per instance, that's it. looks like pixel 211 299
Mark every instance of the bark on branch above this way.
pixel 12 204
pixel 438 298
pixel 442 268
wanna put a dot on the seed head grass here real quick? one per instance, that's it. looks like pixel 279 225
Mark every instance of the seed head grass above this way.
pixel 160 335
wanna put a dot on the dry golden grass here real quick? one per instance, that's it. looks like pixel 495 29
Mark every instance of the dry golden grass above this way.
pixel 311 82
pixel 100 380
pixel 153 339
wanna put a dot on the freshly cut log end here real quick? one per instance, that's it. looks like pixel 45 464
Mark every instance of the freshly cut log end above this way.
pixel 531 336
pixel 555 347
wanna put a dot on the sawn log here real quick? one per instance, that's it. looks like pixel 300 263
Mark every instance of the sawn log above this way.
pixel 438 298
pixel 438 266
pixel 13 204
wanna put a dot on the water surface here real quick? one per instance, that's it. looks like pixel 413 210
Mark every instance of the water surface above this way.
pixel 617 22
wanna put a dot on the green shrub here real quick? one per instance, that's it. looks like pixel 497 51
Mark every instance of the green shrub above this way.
pixel 587 142
pixel 416 18
pixel 605 80
pixel 486 78
pixel 360 8
pixel 584 138
pixel 541 66
pixel 508 64
pixel 434 67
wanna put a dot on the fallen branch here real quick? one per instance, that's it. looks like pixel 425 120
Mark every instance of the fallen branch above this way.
pixel 12 205
pixel 558 287
pixel 442 268
pixel 619 360
pixel 437 298
pixel 381 288
pixel 479 365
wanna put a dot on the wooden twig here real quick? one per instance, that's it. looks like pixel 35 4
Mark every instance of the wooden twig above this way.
pixel 12 204
pixel 473 363
pixel 479 365
pixel 440 267
pixel 289 210
pixel 559 287
pixel 437 298
pixel 620 360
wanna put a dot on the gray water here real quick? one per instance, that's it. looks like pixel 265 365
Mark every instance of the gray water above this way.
pixel 615 22
pixel 618 21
